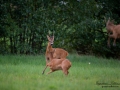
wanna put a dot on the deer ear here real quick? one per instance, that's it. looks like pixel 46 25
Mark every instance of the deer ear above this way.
pixel 53 37
pixel 109 18
pixel 48 37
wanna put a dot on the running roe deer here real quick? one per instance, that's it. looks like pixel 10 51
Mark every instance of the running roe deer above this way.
pixel 57 53
pixel 114 29
pixel 58 64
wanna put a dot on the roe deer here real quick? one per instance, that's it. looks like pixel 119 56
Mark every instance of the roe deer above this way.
pixel 57 53
pixel 114 29
pixel 58 64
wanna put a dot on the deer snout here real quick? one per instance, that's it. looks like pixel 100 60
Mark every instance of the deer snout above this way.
pixel 51 43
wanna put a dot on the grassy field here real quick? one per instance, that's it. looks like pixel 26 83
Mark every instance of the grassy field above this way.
pixel 87 73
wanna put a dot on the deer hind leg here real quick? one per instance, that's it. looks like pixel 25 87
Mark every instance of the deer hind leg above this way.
pixel 50 71
pixel 65 71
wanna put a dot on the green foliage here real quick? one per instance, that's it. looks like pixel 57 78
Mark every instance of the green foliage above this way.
pixel 78 25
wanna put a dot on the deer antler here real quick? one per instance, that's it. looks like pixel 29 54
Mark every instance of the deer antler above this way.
pixel 53 35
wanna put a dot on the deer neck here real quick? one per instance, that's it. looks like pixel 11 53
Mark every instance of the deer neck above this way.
pixel 49 51
pixel 49 48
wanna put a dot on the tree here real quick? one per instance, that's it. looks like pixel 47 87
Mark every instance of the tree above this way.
pixel 77 25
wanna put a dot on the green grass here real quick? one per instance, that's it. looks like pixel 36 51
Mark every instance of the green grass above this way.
pixel 25 73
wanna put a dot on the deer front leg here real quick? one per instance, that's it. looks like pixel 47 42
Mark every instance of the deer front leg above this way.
pixel 114 36
pixel 108 42
pixel 44 69
pixel 114 42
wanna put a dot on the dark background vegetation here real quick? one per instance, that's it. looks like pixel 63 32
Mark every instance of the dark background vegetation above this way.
pixel 78 26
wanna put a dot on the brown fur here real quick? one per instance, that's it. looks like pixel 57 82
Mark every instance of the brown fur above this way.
pixel 55 58
pixel 59 64
pixel 114 29
pixel 58 53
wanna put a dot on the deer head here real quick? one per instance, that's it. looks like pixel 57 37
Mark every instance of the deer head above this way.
pixel 50 39
pixel 109 21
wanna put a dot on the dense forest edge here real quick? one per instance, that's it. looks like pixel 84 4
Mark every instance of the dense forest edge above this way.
pixel 78 26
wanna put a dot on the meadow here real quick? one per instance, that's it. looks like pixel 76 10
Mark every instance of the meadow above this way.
pixel 21 72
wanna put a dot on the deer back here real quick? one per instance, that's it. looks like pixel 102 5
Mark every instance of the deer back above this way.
pixel 59 64
pixel 60 53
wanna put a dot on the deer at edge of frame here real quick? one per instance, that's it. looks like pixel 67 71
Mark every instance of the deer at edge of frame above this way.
pixel 114 29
